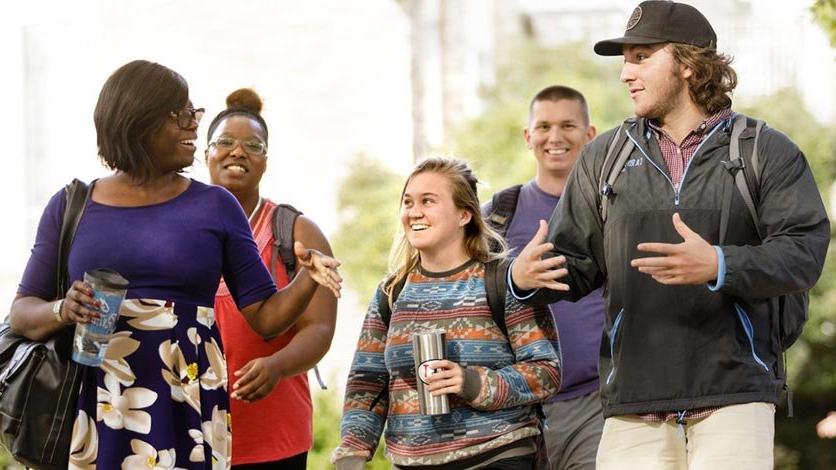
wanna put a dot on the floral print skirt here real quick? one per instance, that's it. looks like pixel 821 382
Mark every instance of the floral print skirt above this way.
pixel 159 399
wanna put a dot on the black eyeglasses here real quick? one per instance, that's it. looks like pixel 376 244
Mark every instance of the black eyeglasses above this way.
pixel 185 116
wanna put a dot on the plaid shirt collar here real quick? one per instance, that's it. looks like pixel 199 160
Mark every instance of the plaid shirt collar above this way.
pixel 678 156
pixel 700 130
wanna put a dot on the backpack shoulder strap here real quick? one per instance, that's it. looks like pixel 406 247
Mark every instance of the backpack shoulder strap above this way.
pixel 385 306
pixel 503 206
pixel 284 219
pixel 76 193
pixel 495 286
pixel 745 168
pixel 622 146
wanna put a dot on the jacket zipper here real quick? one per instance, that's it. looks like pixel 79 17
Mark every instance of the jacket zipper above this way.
pixel 613 332
pixel 750 334
pixel 676 189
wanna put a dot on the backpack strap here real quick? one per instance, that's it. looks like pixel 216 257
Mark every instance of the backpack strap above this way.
pixel 612 166
pixel 745 171
pixel 503 206
pixel 385 312
pixel 495 286
pixel 284 219
pixel 76 194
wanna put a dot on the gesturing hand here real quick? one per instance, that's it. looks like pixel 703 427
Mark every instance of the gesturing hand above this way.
pixel 447 378
pixel 322 268
pixel 257 379
pixel 530 271
pixel 693 261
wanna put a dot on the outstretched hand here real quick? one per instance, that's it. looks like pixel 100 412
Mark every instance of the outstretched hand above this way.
pixel 693 261
pixel 530 271
pixel 322 268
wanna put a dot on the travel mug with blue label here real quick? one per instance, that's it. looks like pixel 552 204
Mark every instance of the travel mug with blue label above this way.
pixel 91 339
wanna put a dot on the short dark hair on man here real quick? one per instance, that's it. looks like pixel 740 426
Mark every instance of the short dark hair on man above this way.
pixel 557 93
pixel 134 103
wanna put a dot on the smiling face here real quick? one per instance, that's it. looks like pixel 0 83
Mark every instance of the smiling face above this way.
pixel 556 134
pixel 657 84
pixel 235 168
pixel 431 221
pixel 172 148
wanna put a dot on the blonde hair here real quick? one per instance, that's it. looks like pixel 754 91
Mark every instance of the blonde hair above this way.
pixel 481 242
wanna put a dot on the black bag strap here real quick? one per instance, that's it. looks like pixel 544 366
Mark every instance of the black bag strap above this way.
pixel 623 146
pixel 495 286
pixel 284 219
pixel 503 206
pixel 76 194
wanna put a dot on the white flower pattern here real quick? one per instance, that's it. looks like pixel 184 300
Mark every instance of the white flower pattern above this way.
pixel 206 316
pixel 125 398
pixel 85 443
pixel 122 410
pixel 149 315
pixel 120 346
pixel 146 457
pixel 217 434
pixel 179 375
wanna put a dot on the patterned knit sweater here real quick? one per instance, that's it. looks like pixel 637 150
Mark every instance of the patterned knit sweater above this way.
pixel 514 372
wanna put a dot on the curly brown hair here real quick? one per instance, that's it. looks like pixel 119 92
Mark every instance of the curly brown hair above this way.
pixel 712 79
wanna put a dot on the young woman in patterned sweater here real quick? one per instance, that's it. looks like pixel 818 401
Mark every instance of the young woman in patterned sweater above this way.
pixel 493 381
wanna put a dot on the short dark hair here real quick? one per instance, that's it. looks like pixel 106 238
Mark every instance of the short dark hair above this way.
pixel 557 93
pixel 134 103
pixel 712 77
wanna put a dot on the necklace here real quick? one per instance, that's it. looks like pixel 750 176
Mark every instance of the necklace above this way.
pixel 255 211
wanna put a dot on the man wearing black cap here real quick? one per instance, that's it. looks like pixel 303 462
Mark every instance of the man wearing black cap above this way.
pixel 691 366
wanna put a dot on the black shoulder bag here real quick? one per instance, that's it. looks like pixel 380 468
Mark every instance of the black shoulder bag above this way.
pixel 39 382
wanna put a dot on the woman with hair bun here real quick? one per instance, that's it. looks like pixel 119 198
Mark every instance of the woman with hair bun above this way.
pixel 269 384
pixel 159 399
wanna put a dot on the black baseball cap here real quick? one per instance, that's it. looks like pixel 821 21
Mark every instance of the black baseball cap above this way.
pixel 656 21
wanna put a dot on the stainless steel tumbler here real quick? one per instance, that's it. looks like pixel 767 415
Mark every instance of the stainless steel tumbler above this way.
pixel 428 346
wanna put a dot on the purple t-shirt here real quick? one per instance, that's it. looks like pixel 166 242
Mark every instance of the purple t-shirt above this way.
pixel 580 324
pixel 175 250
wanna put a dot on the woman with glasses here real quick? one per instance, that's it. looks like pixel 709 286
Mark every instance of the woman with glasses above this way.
pixel 268 378
pixel 159 398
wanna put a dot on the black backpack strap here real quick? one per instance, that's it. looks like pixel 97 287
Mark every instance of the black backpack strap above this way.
pixel 284 219
pixel 385 312
pixel 76 194
pixel 622 146
pixel 503 206
pixel 495 286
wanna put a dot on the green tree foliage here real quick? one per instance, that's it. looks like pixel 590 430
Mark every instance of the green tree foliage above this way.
pixel 825 14
pixel 326 430
pixel 494 144
pixel 368 203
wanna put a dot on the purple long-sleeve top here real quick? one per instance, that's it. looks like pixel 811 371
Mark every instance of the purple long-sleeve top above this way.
pixel 175 250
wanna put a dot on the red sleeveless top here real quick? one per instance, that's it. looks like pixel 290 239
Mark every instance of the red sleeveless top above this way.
pixel 279 425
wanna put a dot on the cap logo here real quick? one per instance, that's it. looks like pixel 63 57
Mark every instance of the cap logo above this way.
pixel 634 18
